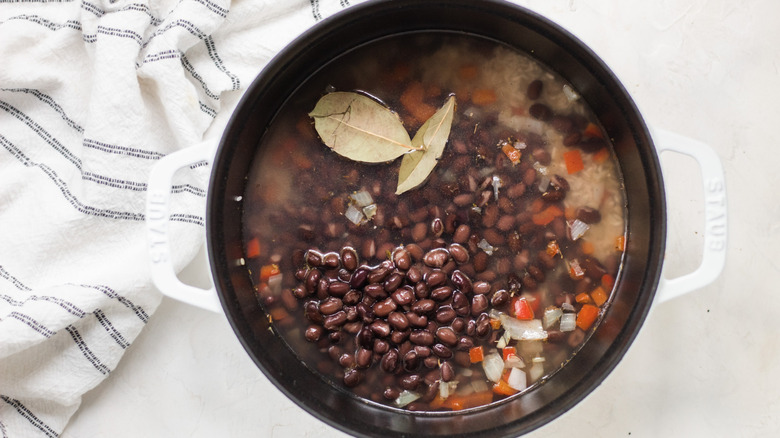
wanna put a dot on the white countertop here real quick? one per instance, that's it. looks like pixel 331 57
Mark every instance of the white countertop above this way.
pixel 705 364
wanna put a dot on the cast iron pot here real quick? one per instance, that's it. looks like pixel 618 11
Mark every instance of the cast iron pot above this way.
pixel 511 25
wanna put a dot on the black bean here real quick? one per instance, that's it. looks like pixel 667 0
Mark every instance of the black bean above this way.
pixel 331 260
pixel 435 278
pixel 352 377
pixel 384 307
pixel 375 291
pixel 458 324
pixel 441 293
pixel 534 89
pixel 471 328
pixel 391 394
pixel 330 306
pixel 399 336
pixel 335 321
pixel 422 307
pixel 349 258
pixel 393 281
pixel 347 360
pixel 437 227
pixel 313 258
pixel 313 333
pixel 481 287
pixel 465 343
pixel 499 298
pixel 351 298
pixel 381 346
pixel 300 292
pixel 478 304
pixel 380 273
pixel 410 382
pixel 380 328
pixel 436 258
pixel 403 296
pixel 402 259
pixel 312 279
pixel 359 278
pixel 365 312
pixel 416 320
pixel 363 357
pixel 410 360
pixel 461 234
pixel 442 351
pixel 422 351
pixel 540 111
pixel 593 269
pixel 421 290
pixel 338 288
pixel 445 315
pixel 480 261
pixel 447 372
pixel 588 215
pixel 447 336
pixel 365 337
pixel 421 337
pixel 460 303
pixel 390 361
pixel 312 312
pixel 415 251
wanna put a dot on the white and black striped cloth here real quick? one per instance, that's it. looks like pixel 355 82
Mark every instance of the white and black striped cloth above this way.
pixel 92 94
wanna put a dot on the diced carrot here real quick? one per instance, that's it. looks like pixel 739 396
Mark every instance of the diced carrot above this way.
pixel 512 153
pixel 472 400
pixel 582 298
pixel 571 213
pixel 503 388
pixel 553 248
pixel 587 247
pixel 468 72
pixel 495 323
pixel 508 352
pixel 547 215
pixel 437 402
pixel 253 248
pixel 573 160
pixel 592 130
pixel 476 354
pixel 587 316
pixel 607 281
pixel 412 100
pixel 599 296
pixel 267 271
pixel 483 96
pixel 601 156
pixel 278 313
pixel 620 243
pixel 522 309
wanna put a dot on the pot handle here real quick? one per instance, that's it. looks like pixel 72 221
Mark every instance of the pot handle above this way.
pixel 157 215
pixel 715 224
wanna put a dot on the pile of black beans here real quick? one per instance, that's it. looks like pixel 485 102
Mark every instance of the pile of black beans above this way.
pixel 413 312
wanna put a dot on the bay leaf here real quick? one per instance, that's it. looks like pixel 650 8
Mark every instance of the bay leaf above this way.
pixel 431 139
pixel 360 128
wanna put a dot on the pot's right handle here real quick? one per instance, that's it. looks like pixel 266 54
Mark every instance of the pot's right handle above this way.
pixel 157 220
pixel 715 224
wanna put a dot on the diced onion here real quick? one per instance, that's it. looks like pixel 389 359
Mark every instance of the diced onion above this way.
pixel 275 284
pixel 520 145
pixel 551 315
pixel 479 386
pixel 503 341
pixel 447 388
pixel 530 330
pixel 493 366
pixel 540 168
pixel 354 215
pixel 369 211
pixel 570 94
pixel 568 322
pixel 406 397
pixel 517 379
pixel 496 186
pixel 362 198
pixel 544 183
pixel 514 361
pixel 537 369
pixel 577 228
pixel 485 246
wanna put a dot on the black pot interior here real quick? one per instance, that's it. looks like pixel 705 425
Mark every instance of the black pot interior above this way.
pixel 517 28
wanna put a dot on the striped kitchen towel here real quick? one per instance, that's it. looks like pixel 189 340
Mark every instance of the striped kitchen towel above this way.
pixel 92 94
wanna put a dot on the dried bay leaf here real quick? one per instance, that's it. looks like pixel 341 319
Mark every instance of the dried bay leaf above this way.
pixel 360 128
pixel 430 140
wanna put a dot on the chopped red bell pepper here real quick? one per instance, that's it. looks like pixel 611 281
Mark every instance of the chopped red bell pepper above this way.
pixel 522 309
pixel 476 354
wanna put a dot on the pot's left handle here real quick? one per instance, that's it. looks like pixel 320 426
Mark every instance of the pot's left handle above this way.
pixel 157 215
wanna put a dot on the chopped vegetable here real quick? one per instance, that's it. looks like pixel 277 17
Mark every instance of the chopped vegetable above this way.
pixel 607 281
pixel 361 198
pixel 587 247
pixel 592 130
pixel 551 315
pixel 483 96
pixel 354 215
pixel 523 330
pixel 553 248
pixel 537 368
pixel 485 246
pixel 601 156
pixel 496 186
pixel 406 397
pixel 514 361
pixel 447 388
pixel 573 160
pixel 517 379
pixel 620 243
pixel 599 296
pixel 547 215
pixel 275 284
pixel 511 153
pixel 476 354
pixel 575 270
pixel 493 366
pixel 495 323
pixel 582 298
pixel 412 100
pixel 369 211
pixel 253 248
pixel 568 322
pixel 521 308
pixel 508 351
pixel 267 271
pixel 571 95
pixel 577 228
pixel 457 403
pixel 587 316
pixel 503 388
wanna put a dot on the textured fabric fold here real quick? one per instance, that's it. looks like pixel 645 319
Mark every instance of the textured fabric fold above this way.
pixel 92 94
